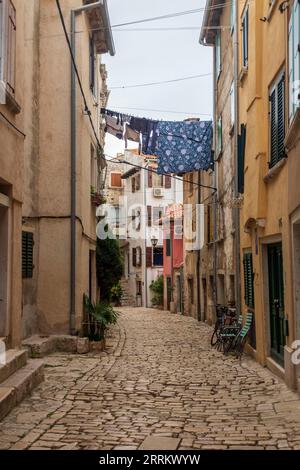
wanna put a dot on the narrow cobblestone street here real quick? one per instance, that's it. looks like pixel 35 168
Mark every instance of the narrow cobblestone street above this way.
pixel 158 376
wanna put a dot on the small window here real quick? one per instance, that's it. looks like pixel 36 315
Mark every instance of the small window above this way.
pixel 294 60
pixel 157 180
pixel 232 104
pixel 168 247
pixel 245 37
pixel 219 137
pixel 158 256
pixel 218 53
pixel 8 44
pixel 115 180
pixel 27 255
pixel 157 215
pixel 133 185
pixel 232 14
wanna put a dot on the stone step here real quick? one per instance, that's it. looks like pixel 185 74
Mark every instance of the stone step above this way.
pixel 20 384
pixel 11 361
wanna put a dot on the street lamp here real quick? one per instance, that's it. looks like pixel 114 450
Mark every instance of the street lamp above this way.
pixel 154 241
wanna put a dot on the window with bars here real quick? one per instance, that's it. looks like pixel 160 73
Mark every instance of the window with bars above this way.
pixel 27 255
pixel 8 44
pixel 249 280
pixel 277 121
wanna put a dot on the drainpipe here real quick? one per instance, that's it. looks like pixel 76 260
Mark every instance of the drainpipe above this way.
pixel 199 258
pixel 145 179
pixel 101 4
pixel 216 185
pixel 236 132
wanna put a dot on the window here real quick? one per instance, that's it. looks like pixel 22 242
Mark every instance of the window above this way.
pixel 158 256
pixel 116 216
pixel 248 280
pixel 133 185
pixel 245 37
pixel 168 182
pixel 277 124
pixel 92 63
pixel 157 215
pixel 219 138
pixel 168 247
pixel 149 215
pixel 116 180
pixel 241 158
pixel 8 44
pixel 232 104
pixel 94 170
pixel 218 54
pixel 157 180
pixel 294 60
pixel 136 219
pixel 232 14
pixel 27 254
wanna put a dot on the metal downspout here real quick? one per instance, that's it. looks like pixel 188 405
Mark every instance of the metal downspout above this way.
pixel 199 257
pixel 236 133
pixel 216 185
pixel 73 184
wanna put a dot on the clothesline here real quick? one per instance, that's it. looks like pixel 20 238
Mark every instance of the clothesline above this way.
pixel 181 146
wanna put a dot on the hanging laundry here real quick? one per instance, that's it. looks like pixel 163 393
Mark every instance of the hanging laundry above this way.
pixel 114 126
pixel 183 147
pixel 150 138
pixel 131 134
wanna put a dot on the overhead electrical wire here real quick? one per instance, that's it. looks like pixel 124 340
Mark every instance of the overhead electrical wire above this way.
pixel 189 113
pixel 87 110
pixel 191 77
pixel 12 125
pixel 150 170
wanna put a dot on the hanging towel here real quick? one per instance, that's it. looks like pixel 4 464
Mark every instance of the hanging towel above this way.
pixel 183 147
pixel 114 126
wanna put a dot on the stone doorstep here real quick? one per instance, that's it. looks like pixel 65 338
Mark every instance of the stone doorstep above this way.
pixel 20 384
pixel 14 360
pixel 40 346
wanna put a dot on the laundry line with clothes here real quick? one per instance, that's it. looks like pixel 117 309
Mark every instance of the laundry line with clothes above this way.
pixel 181 146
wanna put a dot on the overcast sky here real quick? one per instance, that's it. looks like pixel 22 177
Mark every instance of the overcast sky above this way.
pixel 143 57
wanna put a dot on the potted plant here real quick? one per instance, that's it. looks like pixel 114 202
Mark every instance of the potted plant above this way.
pixel 116 294
pixel 97 199
pixel 157 287
pixel 99 316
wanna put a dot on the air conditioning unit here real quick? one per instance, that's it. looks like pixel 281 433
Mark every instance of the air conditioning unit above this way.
pixel 158 192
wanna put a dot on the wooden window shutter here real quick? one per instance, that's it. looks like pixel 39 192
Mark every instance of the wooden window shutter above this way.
pixel 168 182
pixel 138 182
pixel 150 178
pixel 273 129
pixel 281 118
pixel 133 185
pixel 27 254
pixel 9 69
pixel 92 63
pixel 133 256
pixel 116 180
pixel 149 215
pixel 241 158
pixel 149 257
pixel 249 280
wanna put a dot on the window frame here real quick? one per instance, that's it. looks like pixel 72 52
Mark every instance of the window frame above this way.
pixel 110 177
pixel 160 254
pixel 245 38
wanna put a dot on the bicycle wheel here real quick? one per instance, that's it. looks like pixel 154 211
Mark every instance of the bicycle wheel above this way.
pixel 215 337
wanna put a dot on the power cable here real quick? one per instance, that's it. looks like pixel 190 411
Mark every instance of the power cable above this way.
pixel 162 82
pixel 189 113
pixel 115 160
pixel 87 110
pixel 12 125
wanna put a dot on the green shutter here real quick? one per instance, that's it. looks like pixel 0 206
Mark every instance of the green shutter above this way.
pixel 273 130
pixel 249 280
pixel 241 158
pixel 27 254
pixel 280 118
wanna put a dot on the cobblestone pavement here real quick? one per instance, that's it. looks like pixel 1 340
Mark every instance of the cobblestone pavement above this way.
pixel 159 376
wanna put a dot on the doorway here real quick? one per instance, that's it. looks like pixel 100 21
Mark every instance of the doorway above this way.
pixel 204 295
pixel 169 287
pixel 4 251
pixel 276 302
pixel 179 304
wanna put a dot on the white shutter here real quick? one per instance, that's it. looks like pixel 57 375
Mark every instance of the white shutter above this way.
pixel 296 14
pixel 291 67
